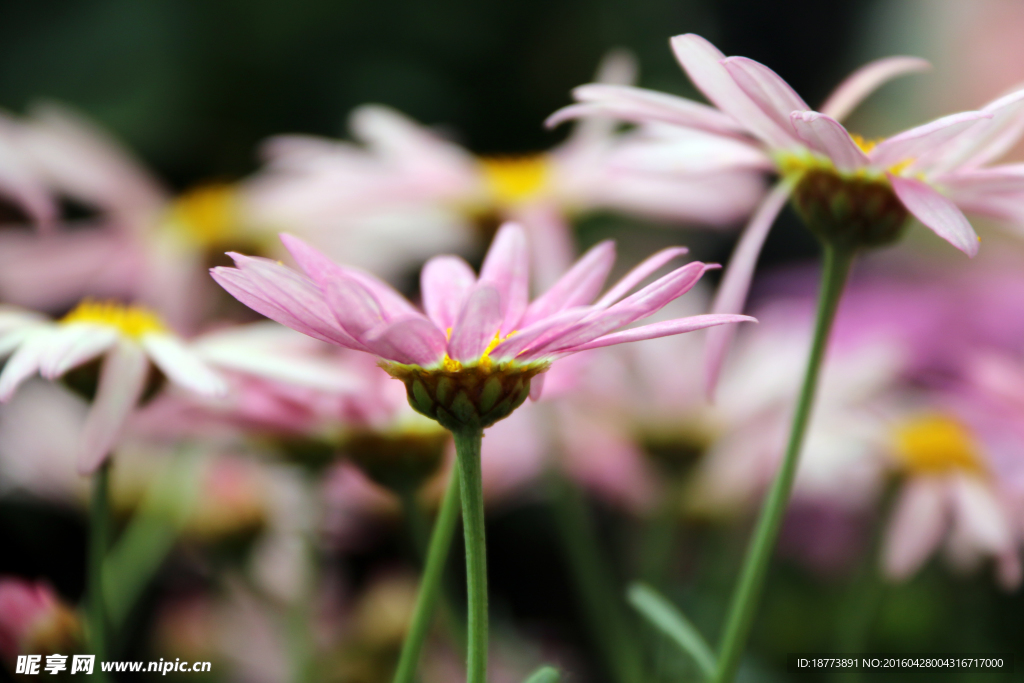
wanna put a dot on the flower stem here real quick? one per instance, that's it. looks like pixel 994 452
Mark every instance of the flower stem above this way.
pixel 467 448
pixel 836 268
pixel 430 583
pixel 99 541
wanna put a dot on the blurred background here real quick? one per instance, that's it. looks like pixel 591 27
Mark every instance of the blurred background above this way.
pixel 193 87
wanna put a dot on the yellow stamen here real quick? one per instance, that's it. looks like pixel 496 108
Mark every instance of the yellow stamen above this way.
pixel 514 180
pixel 865 144
pixel 207 215
pixel 936 443
pixel 450 365
pixel 130 321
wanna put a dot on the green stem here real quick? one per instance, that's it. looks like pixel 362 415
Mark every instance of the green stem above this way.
pixel 467 448
pixel 836 267
pixel 99 541
pixel 430 584
pixel 596 586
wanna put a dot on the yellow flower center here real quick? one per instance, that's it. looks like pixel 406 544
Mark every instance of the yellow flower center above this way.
pixel 936 443
pixel 452 365
pixel 515 180
pixel 207 215
pixel 130 321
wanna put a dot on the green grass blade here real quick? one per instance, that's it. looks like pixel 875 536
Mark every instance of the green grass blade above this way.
pixel 670 621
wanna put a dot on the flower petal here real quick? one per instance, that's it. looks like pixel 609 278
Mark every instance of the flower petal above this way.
pixel 414 341
pixel 767 89
pixel 665 329
pixel 917 526
pixel 936 212
pixel 639 274
pixel 539 333
pixel 122 380
pixel 444 283
pixel 322 270
pixel 182 366
pixel 537 386
pixel 354 306
pixel 639 105
pixel 865 80
pixel 732 292
pixel 478 322
pixel 578 286
pixel 988 141
pixel 507 268
pixel 978 518
pixel 826 135
pixel 73 344
pixel 25 361
pixel 917 141
pixel 281 294
pixel 702 62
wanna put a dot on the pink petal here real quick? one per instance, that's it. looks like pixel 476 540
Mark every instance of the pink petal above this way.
pixel 355 307
pixel 978 517
pixel 936 212
pixel 922 139
pixel 774 96
pixel 25 362
pixel 702 62
pixel 478 322
pixel 826 135
pixel 588 329
pixel 732 292
pixel 71 345
pixel 551 240
pixel 664 329
pixel 413 341
pixel 990 141
pixel 507 267
pixel 281 294
pixel 576 287
pixel 537 386
pixel 640 273
pixel 539 333
pixel 122 380
pixel 182 366
pixel 865 80
pixel 322 270
pixel 638 105
pixel 444 283
pixel 916 528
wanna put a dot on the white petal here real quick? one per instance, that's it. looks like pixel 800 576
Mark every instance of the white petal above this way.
pixel 826 135
pixel 919 521
pixel 122 380
pixel 182 366
pixel 936 212
pixel 865 80
pixel 25 361
pixel 74 344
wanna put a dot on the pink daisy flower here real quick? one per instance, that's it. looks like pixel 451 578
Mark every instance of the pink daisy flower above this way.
pixel 470 356
pixel 838 181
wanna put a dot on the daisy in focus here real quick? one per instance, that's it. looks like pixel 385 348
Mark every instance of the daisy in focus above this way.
pixel 470 358
pixel 405 192
pixel 857 191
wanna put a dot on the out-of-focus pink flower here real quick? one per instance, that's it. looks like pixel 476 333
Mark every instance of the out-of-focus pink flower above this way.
pixel 142 245
pixel 128 338
pixel 408 193
pixel 951 498
pixel 931 171
pixel 34 620
pixel 471 323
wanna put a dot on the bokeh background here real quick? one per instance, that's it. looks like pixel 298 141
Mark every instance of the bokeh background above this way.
pixel 193 87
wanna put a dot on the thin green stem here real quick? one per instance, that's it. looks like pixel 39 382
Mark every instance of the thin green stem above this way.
pixel 836 268
pixel 430 583
pixel 99 541
pixel 467 448
pixel 598 591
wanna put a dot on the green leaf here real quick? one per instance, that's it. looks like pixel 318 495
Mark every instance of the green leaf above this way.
pixel 670 621
pixel 545 674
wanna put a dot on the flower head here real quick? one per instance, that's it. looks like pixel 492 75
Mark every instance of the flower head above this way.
pixel 33 619
pixel 129 338
pixel 850 191
pixel 469 358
